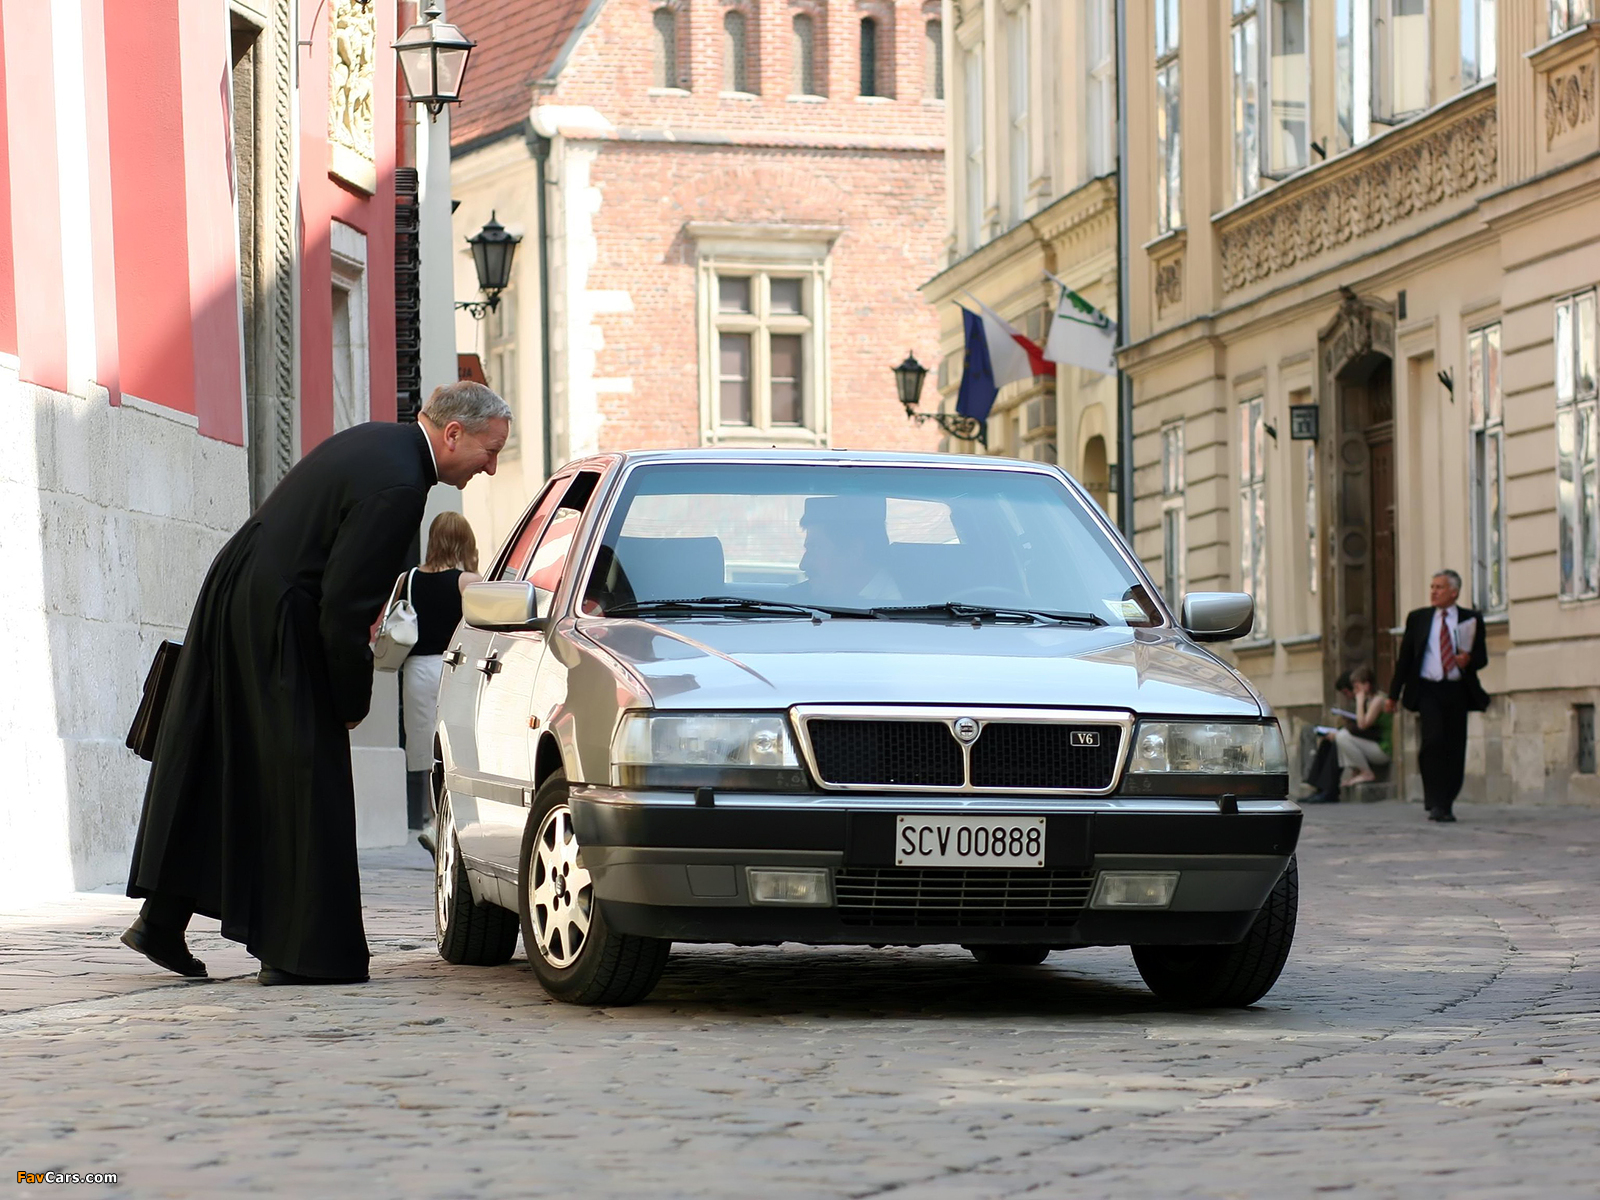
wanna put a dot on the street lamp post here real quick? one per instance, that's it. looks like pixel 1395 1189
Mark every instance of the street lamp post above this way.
pixel 492 251
pixel 908 378
pixel 433 59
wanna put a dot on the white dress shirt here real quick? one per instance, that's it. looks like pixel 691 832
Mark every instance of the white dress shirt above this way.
pixel 428 441
pixel 1432 664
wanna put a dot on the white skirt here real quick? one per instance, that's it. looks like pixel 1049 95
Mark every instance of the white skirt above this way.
pixel 420 707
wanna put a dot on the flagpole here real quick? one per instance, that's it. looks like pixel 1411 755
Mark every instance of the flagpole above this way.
pixel 1124 316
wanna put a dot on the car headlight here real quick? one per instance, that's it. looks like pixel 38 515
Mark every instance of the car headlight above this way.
pixel 737 751
pixel 1207 748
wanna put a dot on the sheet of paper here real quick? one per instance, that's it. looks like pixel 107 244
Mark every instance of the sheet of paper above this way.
pixel 1343 712
pixel 1466 634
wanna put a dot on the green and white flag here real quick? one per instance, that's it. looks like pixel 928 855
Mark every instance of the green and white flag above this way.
pixel 1081 334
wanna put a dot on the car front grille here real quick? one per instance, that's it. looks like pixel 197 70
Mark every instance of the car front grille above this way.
pixel 1007 755
pixel 1016 755
pixel 890 753
pixel 955 898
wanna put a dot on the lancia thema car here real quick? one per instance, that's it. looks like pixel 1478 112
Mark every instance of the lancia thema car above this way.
pixel 847 698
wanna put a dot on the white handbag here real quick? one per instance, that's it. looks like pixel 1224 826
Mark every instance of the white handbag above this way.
pixel 397 632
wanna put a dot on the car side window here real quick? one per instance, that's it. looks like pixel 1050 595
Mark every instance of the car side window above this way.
pixel 548 563
pixel 522 546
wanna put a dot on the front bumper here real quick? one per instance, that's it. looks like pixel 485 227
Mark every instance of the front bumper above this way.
pixel 665 867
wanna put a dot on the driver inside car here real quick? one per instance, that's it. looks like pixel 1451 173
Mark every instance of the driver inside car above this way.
pixel 847 548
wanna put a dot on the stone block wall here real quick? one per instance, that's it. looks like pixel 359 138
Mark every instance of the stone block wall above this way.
pixel 109 517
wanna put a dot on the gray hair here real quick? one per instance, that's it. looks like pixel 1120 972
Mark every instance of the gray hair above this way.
pixel 469 404
pixel 1455 580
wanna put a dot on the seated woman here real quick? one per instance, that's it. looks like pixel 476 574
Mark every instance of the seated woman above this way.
pixel 1366 742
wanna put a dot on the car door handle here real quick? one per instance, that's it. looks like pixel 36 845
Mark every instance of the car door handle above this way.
pixel 453 657
pixel 490 666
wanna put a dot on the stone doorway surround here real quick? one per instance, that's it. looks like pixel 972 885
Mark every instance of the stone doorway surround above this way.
pixel 1355 355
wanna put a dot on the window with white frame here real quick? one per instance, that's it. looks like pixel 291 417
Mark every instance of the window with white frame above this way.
pixel 933 59
pixel 1287 101
pixel 1488 482
pixel 1577 504
pixel 1313 548
pixel 1245 58
pixel 972 104
pixel 1100 82
pixel 1400 59
pixel 1253 506
pixel 500 353
pixel 763 357
pixel 1352 25
pixel 1017 111
pixel 1169 142
pixel 1478 59
pixel 1172 512
pixel 1569 14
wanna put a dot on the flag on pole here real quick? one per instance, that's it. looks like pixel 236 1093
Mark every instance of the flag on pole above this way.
pixel 997 353
pixel 1081 334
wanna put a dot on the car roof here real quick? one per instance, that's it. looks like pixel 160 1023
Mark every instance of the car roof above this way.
pixel 828 457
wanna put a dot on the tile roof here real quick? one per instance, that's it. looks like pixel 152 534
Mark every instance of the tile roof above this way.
pixel 518 43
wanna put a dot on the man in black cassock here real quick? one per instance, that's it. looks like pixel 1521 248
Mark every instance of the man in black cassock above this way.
pixel 249 814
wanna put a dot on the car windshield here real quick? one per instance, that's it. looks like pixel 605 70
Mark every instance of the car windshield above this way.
pixel 908 542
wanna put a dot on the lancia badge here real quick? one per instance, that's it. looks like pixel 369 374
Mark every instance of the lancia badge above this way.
pixel 966 730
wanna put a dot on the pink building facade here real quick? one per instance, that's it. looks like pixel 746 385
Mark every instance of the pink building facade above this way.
pixel 197 284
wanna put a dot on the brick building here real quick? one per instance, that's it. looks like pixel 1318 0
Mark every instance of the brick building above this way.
pixel 740 201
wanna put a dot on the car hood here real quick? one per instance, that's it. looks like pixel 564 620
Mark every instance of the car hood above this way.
pixel 718 662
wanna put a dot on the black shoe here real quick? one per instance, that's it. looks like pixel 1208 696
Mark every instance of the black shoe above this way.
pixel 277 977
pixel 1444 815
pixel 168 951
pixel 425 840
pixel 1318 798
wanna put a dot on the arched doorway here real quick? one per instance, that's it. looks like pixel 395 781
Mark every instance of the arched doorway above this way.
pixel 1095 475
pixel 1357 394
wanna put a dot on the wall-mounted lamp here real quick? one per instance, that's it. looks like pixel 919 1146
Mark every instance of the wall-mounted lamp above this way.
pixel 1449 381
pixel 492 251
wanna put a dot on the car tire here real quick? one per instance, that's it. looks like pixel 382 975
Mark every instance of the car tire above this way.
pixel 1228 976
pixel 577 956
pixel 468 933
pixel 1009 956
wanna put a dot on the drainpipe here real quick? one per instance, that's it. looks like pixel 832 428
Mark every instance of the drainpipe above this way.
pixel 1124 384
pixel 540 146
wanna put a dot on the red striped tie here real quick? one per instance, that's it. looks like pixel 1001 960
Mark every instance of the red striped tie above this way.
pixel 1447 649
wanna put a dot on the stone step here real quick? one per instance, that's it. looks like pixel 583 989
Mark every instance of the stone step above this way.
pixel 1368 793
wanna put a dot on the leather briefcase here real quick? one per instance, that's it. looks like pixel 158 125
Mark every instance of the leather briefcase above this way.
pixel 157 684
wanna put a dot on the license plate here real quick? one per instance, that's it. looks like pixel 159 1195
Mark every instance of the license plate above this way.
pixel 969 842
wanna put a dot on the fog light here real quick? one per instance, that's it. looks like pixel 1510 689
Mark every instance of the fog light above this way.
pixel 1134 889
pixel 768 886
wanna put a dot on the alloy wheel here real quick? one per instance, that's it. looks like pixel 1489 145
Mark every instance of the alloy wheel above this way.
pixel 560 892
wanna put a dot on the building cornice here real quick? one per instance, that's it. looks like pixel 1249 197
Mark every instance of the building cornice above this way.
pixel 1074 217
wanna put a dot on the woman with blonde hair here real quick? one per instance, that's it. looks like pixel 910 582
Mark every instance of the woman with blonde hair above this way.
pixel 436 587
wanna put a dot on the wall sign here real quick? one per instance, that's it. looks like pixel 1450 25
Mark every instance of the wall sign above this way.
pixel 1303 422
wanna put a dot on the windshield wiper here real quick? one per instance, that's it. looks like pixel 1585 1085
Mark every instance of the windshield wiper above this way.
pixel 954 608
pixel 735 604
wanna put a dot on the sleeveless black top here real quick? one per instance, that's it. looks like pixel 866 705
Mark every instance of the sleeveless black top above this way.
pixel 436 595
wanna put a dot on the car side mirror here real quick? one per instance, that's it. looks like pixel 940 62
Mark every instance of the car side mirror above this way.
pixel 1218 616
pixel 512 607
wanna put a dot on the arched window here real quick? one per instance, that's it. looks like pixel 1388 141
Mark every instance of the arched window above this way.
pixel 666 48
pixel 869 57
pixel 735 59
pixel 804 55
pixel 933 60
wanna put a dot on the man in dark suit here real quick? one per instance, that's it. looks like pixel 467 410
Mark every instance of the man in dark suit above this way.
pixel 249 814
pixel 1436 677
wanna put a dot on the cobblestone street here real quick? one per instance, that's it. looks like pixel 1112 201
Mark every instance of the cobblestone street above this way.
pixel 1436 1032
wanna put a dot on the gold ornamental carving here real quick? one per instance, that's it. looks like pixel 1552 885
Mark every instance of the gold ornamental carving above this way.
pixel 352 55
pixel 1568 101
pixel 1410 179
